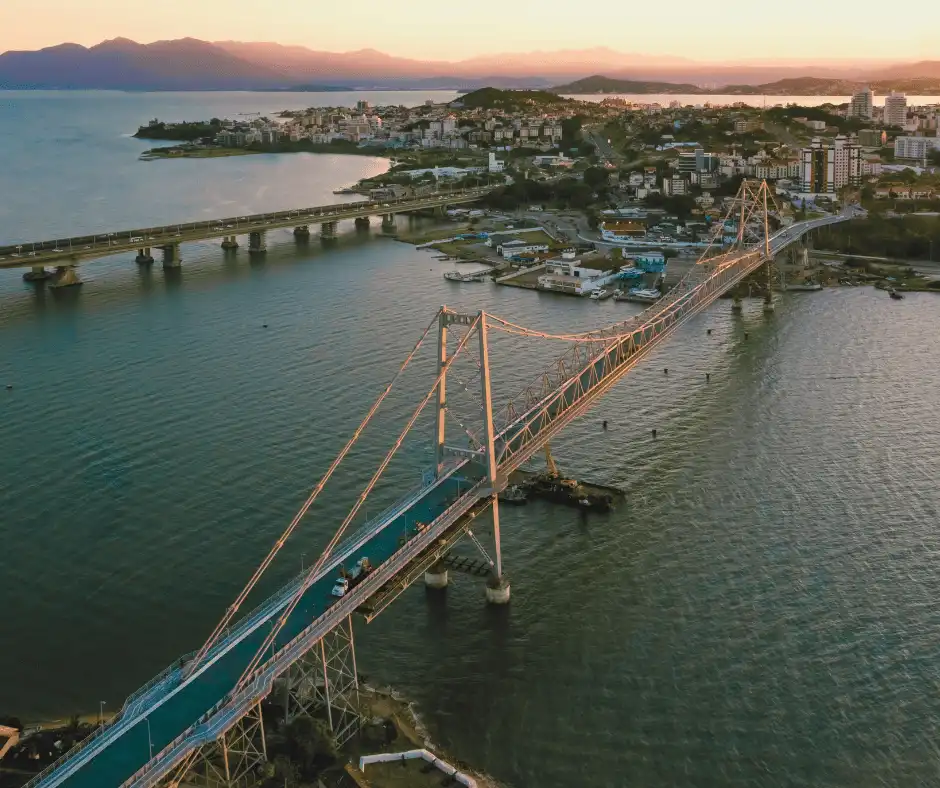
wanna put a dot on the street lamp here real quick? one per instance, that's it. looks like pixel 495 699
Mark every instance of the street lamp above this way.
pixel 149 737
pixel 302 557
pixel 101 705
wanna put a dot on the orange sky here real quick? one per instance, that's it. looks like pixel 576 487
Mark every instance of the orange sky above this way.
pixel 808 30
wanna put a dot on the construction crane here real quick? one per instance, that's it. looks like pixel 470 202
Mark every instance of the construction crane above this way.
pixel 552 469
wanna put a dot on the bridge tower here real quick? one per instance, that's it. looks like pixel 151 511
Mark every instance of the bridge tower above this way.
pixel 482 449
pixel 497 587
pixel 752 203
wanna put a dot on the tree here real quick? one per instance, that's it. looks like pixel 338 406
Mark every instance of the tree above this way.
pixel 311 744
pixel 595 177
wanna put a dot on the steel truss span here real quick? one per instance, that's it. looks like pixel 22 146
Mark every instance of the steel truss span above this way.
pixel 199 722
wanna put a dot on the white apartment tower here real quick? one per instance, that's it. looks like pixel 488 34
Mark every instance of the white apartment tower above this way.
pixel 861 106
pixel 826 168
pixel 895 109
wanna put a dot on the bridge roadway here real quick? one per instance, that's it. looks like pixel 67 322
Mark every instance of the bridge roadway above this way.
pixel 171 716
pixel 68 251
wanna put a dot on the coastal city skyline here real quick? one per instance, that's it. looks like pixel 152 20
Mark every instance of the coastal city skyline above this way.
pixel 507 394
pixel 426 30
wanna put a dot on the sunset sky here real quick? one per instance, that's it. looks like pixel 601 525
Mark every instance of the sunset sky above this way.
pixel 807 30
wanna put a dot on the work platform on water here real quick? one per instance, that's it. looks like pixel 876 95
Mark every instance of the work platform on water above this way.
pixel 197 723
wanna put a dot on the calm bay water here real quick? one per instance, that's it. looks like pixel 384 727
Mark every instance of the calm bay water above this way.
pixel 762 611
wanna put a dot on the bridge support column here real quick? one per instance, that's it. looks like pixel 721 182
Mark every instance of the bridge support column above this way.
pixel 256 243
pixel 497 591
pixel 328 231
pixel 143 256
pixel 737 305
pixel 436 576
pixel 234 760
pixel 388 223
pixel 303 231
pixel 362 222
pixel 36 274
pixel 769 302
pixel 67 276
pixel 325 678
pixel 497 588
pixel 229 242
pixel 171 256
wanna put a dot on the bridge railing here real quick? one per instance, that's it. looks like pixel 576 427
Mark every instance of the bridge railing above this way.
pixel 164 233
pixel 229 709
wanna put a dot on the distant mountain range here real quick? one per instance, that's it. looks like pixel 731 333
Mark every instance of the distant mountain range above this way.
pixel 798 86
pixel 191 64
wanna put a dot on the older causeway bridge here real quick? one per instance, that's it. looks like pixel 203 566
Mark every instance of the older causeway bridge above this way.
pixel 201 721
pixel 66 253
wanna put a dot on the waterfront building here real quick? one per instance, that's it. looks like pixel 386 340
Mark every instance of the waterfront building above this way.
pixel 862 105
pixel 623 230
pixel 518 247
pixel 895 109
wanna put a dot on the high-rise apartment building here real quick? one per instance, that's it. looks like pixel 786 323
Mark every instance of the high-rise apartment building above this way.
pixel 895 109
pixel 914 147
pixel 862 105
pixel 826 168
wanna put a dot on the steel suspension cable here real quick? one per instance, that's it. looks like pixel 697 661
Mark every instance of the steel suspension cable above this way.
pixel 234 607
pixel 324 556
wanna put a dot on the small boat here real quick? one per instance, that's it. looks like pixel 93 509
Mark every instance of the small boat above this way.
pixel 514 495
pixel 642 295
pixel 597 295
pixel 895 294
pixel 804 287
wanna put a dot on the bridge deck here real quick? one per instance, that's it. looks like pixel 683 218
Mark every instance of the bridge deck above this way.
pixel 124 747
pixel 167 712
pixel 85 247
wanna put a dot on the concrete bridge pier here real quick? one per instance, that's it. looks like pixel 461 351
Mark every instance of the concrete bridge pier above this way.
pixel 171 256
pixel 737 305
pixel 229 242
pixel 37 274
pixel 497 590
pixel 436 576
pixel 328 231
pixel 388 222
pixel 67 276
pixel 769 302
pixel 143 256
pixel 362 222
pixel 303 231
pixel 256 243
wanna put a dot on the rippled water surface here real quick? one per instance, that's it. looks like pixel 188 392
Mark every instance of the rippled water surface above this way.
pixel 762 610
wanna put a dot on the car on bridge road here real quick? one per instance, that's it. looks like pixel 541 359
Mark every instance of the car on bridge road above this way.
pixel 340 587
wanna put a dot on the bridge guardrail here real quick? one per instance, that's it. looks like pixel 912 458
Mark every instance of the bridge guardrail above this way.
pixel 145 236
pixel 291 652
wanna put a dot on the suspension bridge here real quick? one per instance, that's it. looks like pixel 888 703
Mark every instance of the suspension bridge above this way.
pixel 200 721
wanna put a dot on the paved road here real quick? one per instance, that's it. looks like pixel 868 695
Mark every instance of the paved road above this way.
pixel 175 704
pixel 66 251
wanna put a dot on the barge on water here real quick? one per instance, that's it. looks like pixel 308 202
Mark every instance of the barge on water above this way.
pixel 570 492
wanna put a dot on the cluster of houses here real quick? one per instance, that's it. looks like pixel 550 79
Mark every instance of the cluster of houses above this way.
pixel 427 126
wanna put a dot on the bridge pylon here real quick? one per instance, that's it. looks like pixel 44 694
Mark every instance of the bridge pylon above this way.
pixel 236 760
pixel 324 682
